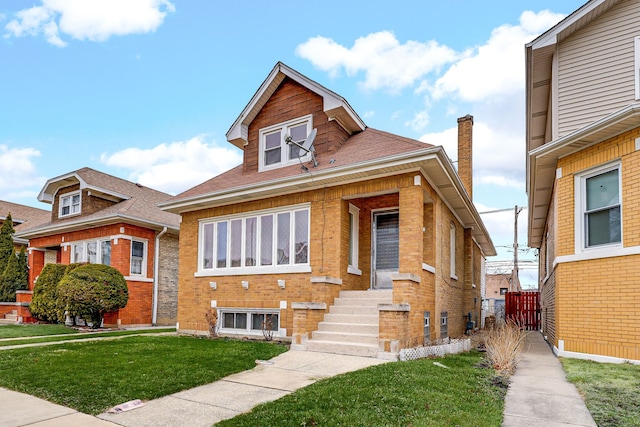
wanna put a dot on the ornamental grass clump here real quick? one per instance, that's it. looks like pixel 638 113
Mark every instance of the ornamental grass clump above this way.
pixel 503 346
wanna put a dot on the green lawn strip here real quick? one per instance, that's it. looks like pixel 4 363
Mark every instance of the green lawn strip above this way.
pixel 83 336
pixel 30 330
pixel 415 393
pixel 611 391
pixel 96 375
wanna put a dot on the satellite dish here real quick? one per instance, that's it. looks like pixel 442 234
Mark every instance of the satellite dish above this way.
pixel 306 146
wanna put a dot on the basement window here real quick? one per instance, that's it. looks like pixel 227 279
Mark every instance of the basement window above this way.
pixel 248 322
pixel 444 324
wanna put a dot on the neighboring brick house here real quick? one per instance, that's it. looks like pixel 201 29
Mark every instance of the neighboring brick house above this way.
pixel 382 218
pixel 99 218
pixel 497 286
pixel 22 217
pixel 583 142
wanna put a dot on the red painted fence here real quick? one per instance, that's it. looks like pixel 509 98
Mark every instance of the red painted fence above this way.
pixel 524 309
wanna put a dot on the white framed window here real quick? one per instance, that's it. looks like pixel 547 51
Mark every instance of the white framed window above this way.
pixel 92 251
pixel 268 241
pixel 452 249
pixel 275 152
pixel 354 236
pixel 69 204
pixel 598 208
pixel 248 321
pixel 138 266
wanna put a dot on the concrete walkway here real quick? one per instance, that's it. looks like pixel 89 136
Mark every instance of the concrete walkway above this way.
pixel 539 393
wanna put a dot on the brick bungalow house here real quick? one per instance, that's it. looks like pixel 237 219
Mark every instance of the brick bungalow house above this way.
pixel 98 218
pixel 583 144
pixel 375 248
pixel 22 217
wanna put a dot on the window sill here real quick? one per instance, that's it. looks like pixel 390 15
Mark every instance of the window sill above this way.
pixel 590 254
pixel 138 279
pixel 354 270
pixel 283 269
pixel 454 277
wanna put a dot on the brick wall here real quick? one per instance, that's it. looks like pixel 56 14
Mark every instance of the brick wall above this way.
pixel 167 313
pixel 596 302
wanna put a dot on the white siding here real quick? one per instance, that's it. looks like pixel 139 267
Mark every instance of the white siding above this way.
pixel 596 68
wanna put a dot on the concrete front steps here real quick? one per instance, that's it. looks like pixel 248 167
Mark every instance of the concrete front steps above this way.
pixel 10 318
pixel 351 325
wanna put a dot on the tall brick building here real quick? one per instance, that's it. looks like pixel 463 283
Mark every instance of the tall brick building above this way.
pixel 365 243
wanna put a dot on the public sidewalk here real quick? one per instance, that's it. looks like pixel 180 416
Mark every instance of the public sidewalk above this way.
pixel 539 393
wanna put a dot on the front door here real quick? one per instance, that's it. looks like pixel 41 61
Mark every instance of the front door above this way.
pixel 385 248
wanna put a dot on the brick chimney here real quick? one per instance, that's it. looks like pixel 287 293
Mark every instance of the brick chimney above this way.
pixel 465 158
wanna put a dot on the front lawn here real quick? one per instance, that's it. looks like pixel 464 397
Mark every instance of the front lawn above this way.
pixel 32 330
pixel 611 391
pixel 94 376
pixel 416 393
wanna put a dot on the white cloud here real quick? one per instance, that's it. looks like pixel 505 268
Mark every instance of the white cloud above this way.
pixel 176 166
pixel 386 63
pixel 497 67
pixel 19 173
pixel 93 20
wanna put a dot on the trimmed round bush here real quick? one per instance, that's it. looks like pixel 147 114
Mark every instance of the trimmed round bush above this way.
pixel 92 290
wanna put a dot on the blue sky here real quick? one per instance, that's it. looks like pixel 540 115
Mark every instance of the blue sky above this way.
pixel 146 89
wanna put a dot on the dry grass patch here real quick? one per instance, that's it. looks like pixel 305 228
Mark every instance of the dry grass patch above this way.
pixel 504 345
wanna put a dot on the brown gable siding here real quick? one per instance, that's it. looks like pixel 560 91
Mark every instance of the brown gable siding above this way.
pixel 290 101
pixel 88 204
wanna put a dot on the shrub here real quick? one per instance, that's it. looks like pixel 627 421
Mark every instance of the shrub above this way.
pixel 44 303
pixel 92 290
pixel 504 345
pixel 15 276
pixel 6 242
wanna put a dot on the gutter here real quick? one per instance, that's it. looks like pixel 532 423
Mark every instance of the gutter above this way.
pixel 156 258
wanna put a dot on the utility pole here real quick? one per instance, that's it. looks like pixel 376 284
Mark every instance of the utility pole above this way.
pixel 515 281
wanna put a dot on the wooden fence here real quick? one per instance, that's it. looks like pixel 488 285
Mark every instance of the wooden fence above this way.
pixel 524 309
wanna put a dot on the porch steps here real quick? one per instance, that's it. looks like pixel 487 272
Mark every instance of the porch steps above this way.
pixel 10 318
pixel 351 326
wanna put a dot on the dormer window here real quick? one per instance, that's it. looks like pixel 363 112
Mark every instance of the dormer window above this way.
pixel 69 204
pixel 275 152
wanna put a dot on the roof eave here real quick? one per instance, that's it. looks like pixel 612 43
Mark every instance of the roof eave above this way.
pixel 91 223
pixel 543 161
pixel 433 163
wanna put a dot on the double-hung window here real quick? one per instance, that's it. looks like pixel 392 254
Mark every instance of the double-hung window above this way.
pixel 599 208
pixel 452 250
pixel 264 241
pixel 354 235
pixel 138 258
pixel 92 251
pixel 275 151
pixel 69 204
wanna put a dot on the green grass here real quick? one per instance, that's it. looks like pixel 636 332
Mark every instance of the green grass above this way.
pixel 83 336
pixel 15 331
pixel 611 391
pixel 416 393
pixel 94 376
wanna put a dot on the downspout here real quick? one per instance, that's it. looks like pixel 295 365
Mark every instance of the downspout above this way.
pixel 156 259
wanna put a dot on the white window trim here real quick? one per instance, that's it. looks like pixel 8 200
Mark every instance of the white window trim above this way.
pixel 283 145
pixel 259 269
pixel 452 249
pixel 636 44
pixel 145 250
pixel 580 207
pixel 84 249
pixel 70 196
pixel 248 331
pixel 354 236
